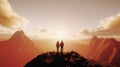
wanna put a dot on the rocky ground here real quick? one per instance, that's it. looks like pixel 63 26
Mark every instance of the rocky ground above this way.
pixel 67 59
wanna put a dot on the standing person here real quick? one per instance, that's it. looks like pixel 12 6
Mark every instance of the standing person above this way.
pixel 57 46
pixel 62 46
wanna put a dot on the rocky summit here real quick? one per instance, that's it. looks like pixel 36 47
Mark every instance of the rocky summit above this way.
pixel 66 59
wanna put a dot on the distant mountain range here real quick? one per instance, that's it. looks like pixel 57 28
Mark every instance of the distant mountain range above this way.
pixel 105 50
pixel 17 50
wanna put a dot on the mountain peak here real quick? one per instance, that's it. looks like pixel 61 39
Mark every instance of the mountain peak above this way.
pixel 18 35
pixel 95 37
pixel 113 39
pixel 17 50
pixel 20 32
pixel 19 38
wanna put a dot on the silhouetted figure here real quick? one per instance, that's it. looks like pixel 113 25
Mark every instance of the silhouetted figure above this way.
pixel 57 46
pixel 61 45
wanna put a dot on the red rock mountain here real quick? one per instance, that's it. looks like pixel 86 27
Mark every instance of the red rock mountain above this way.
pixel 105 50
pixel 17 50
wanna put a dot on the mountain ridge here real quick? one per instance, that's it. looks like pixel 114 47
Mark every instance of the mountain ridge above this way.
pixel 105 50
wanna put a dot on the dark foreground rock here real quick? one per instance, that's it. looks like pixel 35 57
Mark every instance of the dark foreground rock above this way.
pixel 68 59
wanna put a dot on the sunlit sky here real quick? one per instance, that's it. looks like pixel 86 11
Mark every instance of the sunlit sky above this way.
pixel 69 16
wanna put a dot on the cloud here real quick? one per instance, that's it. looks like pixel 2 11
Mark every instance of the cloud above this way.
pixel 40 30
pixel 111 22
pixel 108 27
pixel 99 32
pixel 8 18
pixel 84 32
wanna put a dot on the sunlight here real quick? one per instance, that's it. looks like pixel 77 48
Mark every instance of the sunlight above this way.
pixel 60 35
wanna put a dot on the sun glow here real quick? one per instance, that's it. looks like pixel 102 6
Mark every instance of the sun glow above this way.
pixel 60 35
pixel 56 34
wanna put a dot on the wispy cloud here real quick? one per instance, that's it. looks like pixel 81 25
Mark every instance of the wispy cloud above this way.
pixel 40 30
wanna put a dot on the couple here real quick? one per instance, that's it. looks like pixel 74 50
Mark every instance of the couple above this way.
pixel 60 45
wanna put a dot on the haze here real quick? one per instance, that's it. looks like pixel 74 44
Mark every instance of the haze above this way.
pixel 69 15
